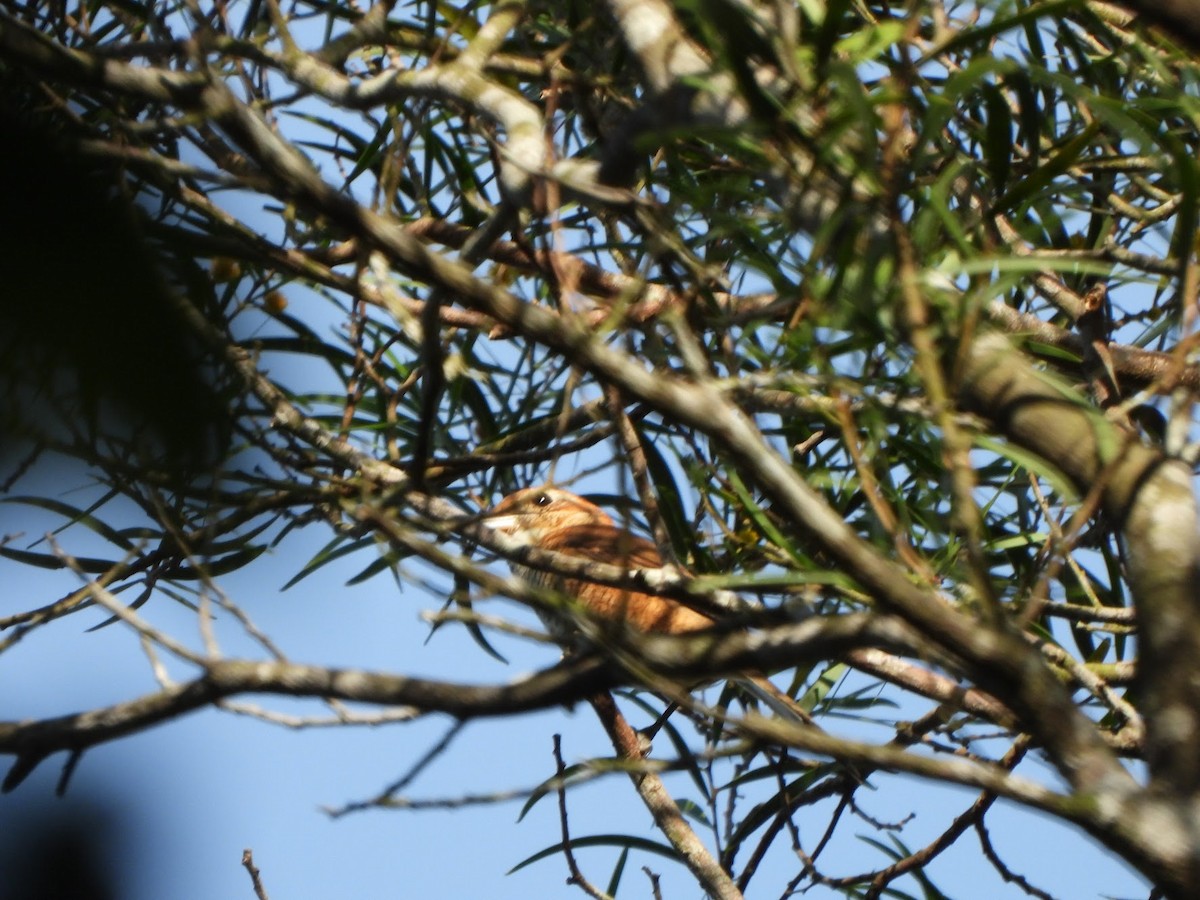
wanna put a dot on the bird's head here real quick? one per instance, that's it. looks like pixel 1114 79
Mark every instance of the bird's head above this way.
pixel 535 512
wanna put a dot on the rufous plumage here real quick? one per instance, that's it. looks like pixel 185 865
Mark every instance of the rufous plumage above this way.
pixel 554 519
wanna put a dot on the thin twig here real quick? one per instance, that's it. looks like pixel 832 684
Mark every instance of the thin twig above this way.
pixel 248 861
pixel 577 876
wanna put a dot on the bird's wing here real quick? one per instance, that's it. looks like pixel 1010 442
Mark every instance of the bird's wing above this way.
pixel 615 546
pixel 604 543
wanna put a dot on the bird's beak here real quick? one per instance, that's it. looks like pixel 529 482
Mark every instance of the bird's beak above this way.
pixel 508 524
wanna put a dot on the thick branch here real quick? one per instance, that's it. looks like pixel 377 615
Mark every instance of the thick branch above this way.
pixel 1137 367
pixel 1150 498
pixel 699 656
pixel 31 742
pixel 662 806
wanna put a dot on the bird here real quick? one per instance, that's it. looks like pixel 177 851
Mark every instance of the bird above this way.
pixel 552 518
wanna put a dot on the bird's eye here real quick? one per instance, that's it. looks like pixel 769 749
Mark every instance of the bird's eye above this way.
pixel 542 500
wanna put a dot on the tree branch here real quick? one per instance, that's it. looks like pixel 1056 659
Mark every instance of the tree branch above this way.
pixel 1150 499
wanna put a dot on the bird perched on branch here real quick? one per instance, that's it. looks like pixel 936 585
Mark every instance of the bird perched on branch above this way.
pixel 550 518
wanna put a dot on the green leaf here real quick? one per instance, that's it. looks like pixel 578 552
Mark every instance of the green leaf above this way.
pixel 550 785
pixel 614 881
pixel 90 564
pixel 340 546
pixel 865 44
pixel 760 519
pixel 1030 461
pixel 670 499
pixel 76 516
pixel 222 565
pixel 693 810
pixel 624 841
pixel 1041 178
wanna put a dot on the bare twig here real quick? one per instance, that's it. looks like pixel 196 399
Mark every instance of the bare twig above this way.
pixel 577 877
pixel 248 862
